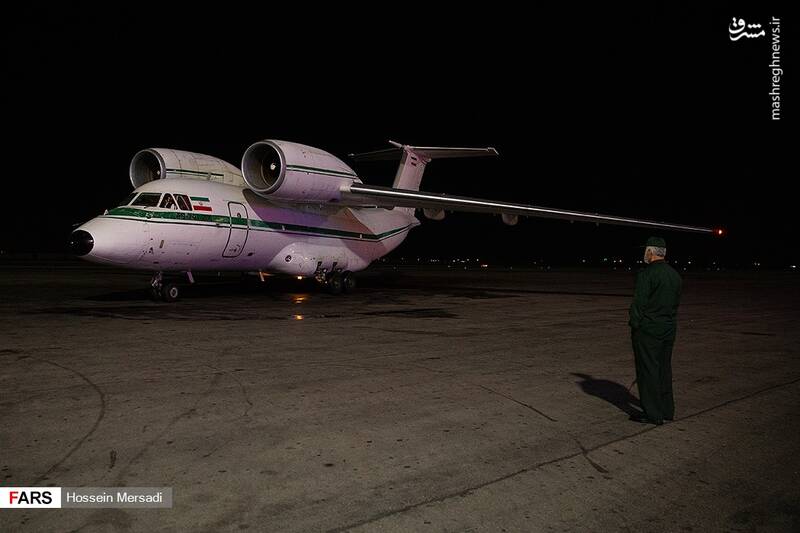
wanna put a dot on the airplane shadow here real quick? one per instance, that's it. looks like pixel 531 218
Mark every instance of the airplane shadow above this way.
pixel 120 296
pixel 614 393
pixel 278 289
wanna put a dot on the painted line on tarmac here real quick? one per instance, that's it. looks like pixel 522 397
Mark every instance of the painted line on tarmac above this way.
pixel 467 491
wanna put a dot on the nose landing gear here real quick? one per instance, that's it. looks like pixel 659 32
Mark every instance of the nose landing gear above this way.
pixel 163 290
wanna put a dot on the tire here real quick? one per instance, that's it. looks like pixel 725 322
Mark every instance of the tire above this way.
pixel 170 292
pixel 335 284
pixel 349 282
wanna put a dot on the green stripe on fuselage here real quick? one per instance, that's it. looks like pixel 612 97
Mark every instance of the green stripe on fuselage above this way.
pixel 168 215
pixel 183 217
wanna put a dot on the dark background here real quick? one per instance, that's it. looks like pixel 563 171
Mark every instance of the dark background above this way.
pixel 648 111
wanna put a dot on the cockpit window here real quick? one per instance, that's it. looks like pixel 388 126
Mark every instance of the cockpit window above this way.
pixel 147 199
pixel 183 202
pixel 127 199
pixel 168 202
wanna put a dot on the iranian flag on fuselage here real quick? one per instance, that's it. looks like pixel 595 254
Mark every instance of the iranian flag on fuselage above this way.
pixel 200 203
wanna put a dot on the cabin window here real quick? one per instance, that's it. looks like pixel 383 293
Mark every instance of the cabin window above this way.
pixel 127 199
pixel 147 199
pixel 183 202
pixel 168 202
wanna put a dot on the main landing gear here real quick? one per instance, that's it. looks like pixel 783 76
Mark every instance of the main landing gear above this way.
pixel 338 281
pixel 163 290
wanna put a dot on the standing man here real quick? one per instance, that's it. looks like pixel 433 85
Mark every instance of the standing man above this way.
pixel 653 321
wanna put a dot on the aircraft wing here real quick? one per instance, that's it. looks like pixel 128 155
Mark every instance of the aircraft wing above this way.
pixel 435 204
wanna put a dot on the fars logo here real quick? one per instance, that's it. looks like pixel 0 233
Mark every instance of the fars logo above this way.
pixel 29 497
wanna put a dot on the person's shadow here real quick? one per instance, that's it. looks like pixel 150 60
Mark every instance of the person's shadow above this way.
pixel 617 395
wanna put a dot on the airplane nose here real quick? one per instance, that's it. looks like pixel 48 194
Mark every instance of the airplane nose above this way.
pixel 81 242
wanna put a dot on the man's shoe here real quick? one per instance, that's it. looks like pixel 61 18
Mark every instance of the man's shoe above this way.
pixel 642 419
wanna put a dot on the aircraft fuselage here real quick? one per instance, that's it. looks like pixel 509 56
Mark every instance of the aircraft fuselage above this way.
pixel 231 228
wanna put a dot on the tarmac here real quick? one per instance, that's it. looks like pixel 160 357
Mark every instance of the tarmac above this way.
pixel 431 399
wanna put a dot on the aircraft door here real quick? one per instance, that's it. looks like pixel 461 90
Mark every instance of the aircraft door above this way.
pixel 239 228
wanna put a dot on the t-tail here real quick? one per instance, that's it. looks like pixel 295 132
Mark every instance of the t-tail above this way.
pixel 413 160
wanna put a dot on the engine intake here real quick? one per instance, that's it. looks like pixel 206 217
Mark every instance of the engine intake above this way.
pixel 264 167
pixel 147 166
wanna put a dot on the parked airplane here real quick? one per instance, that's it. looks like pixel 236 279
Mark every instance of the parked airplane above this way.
pixel 292 209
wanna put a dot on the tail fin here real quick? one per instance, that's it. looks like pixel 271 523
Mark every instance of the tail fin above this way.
pixel 414 159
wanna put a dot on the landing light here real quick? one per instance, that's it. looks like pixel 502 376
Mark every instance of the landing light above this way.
pixel 299 277
pixel 719 232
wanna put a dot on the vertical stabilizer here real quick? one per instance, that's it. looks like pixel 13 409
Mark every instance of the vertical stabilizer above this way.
pixel 413 160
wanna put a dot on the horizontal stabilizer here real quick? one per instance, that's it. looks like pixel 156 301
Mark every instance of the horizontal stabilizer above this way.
pixel 427 152
pixel 413 160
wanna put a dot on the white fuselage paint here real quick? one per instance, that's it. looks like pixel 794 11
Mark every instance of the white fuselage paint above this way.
pixel 243 232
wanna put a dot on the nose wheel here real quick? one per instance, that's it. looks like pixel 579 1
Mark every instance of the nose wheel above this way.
pixel 170 292
pixel 163 290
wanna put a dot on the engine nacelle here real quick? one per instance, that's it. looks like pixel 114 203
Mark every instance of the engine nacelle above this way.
pixel 160 163
pixel 295 172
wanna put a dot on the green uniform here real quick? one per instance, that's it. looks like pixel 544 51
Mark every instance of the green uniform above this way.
pixel 653 321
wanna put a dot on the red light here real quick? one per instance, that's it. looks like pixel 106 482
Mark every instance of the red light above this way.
pixel 719 232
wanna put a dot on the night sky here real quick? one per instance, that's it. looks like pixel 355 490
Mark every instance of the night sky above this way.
pixel 650 112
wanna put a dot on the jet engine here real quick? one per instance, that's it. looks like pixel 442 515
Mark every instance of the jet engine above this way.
pixel 295 172
pixel 159 163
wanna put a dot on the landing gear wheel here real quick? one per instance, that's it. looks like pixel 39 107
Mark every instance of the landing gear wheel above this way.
pixel 348 281
pixel 170 292
pixel 155 293
pixel 335 283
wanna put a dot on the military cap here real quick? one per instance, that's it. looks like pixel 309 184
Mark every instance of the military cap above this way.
pixel 658 242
